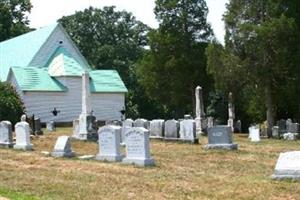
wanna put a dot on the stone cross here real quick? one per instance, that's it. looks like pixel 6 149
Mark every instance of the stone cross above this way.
pixel 199 109
pixel 231 114
pixel 22 136
pixel 6 138
pixel 138 147
pixel 62 147
pixel 86 107
pixel 109 143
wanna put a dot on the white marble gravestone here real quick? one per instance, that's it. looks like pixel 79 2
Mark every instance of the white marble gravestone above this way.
pixel 6 139
pixel 220 137
pixel 138 147
pixel 157 128
pixel 187 131
pixel 171 130
pixel 50 126
pixel 254 134
pixel 127 124
pixel 288 166
pixel 141 123
pixel 109 143
pixel 63 147
pixel 275 131
pixel 22 136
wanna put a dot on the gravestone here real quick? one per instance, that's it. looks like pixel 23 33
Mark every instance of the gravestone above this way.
pixel 275 131
pixel 138 147
pixel 75 127
pixel 281 127
pixel 231 111
pixel 92 134
pixel 38 126
pixel 127 124
pixel 63 147
pixel 210 122
pixel 6 138
pixel 113 122
pixel 187 131
pixel 23 118
pixel 141 123
pixel 238 126
pixel 22 136
pixel 171 130
pixel 290 136
pixel 157 128
pixel 288 166
pixel 293 128
pixel 50 126
pixel 200 115
pixel 109 143
pixel 254 134
pixel 220 137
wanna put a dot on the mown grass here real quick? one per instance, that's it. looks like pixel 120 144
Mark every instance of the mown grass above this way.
pixel 182 171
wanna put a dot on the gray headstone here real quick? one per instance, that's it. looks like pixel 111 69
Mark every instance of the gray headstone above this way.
pixel 187 131
pixel 281 126
pixel 6 139
pixel 109 143
pixel 38 126
pixel 141 123
pixel 138 147
pixel 210 122
pixel 293 128
pixel 275 131
pixel 288 166
pixel 238 126
pixel 75 128
pixel 50 126
pixel 157 128
pixel 63 147
pixel 171 129
pixel 22 136
pixel 220 137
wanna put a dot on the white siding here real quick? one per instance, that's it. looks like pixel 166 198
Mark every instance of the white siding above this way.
pixel 12 80
pixel 105 105
pixel 52 43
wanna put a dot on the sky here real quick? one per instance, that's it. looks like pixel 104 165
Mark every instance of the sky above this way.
pixel 45 12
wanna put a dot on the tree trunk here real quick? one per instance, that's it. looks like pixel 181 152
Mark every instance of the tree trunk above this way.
pixel 270 110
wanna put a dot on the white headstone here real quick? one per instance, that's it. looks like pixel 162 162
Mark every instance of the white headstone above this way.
pixel 290 136
pixel 128 123
pixel 171 129
pixel 109 143
pixel 157 128
pixel 187 131
pixel 138 147
pixel 63 147
pixel 22 136
pixel 6 139
pixel 254 134
pixel 141 123
pixel 275 131
pixel 23 118
pixel 288 166
pixel 50 126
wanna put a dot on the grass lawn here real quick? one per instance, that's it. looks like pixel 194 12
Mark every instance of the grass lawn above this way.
pixel 182 171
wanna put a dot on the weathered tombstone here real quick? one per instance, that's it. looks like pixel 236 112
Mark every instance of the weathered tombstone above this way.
pixel 22 136
pixel 220 137
pixel 75 127
pixel 210 122
pixel 6 139
pixel 109 143
pixel 238 126
pixel 275 131
pixel 138 147
pixel 92 134
pixel 50 126
pixel 187 131
pixel 293 128
pixel 171 130
pixel 157 128
pixel 127 124
pixel 199 110
pixel 288 166
pixel 290 136
pixel 281 127
pixel 231 111
pixel 63 147
pixel 254 134
pixel 38 126
pixel 141 123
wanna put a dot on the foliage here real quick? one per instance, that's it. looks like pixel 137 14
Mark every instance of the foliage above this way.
pixel 11 105
pixel 13 18
pixel 176 61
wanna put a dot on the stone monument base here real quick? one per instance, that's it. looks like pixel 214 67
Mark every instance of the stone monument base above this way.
pixel 6 145
pixel 109 158
pixel 58 154
pixel 23 147
pixel 156 137
pixel 139 161
pixel 222 146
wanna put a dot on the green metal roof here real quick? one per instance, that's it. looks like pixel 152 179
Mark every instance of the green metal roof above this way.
pixel 106 81
pixel 36 79
pixel 19 51
pixel 70 66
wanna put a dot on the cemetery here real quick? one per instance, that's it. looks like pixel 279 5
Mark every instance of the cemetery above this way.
pixel 100 105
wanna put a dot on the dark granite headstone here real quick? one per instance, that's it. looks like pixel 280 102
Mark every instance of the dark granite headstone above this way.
pixel 220 137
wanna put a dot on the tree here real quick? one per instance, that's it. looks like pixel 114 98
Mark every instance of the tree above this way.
pixel 13 18
pixel 260 40
pixel 11 105
pixel 176 61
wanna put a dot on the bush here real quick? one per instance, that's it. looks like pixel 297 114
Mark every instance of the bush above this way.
pixel 11 105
